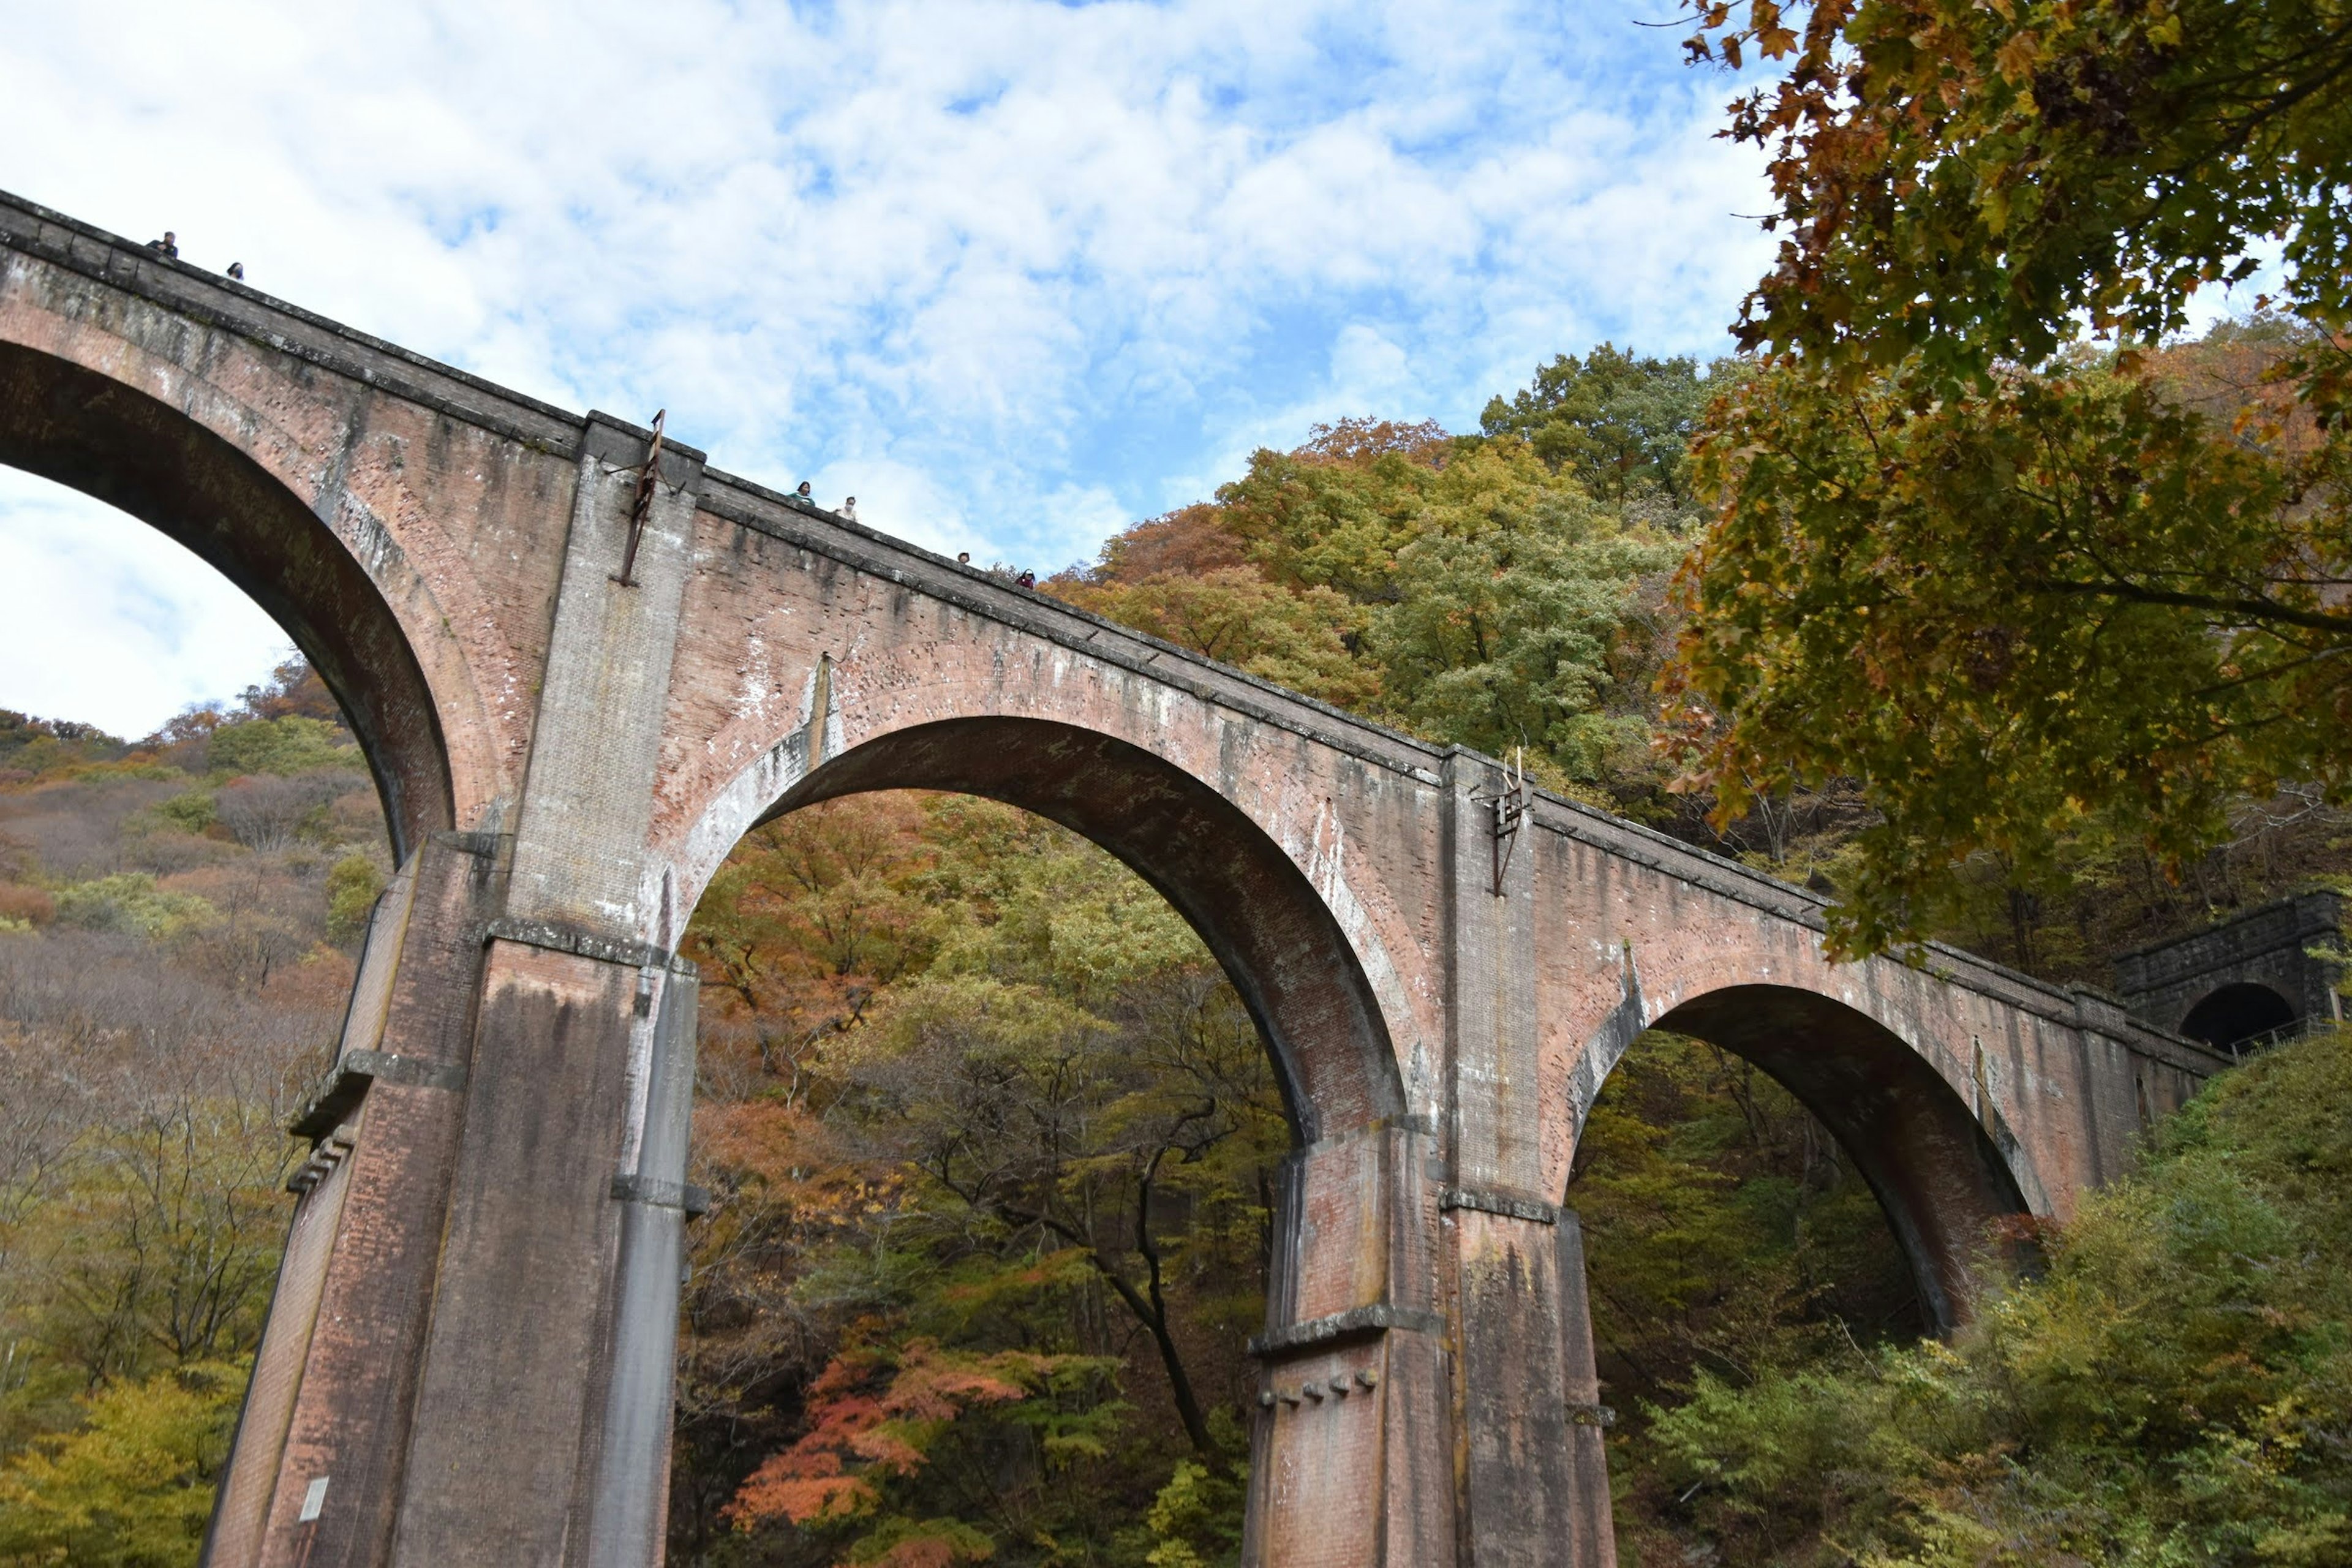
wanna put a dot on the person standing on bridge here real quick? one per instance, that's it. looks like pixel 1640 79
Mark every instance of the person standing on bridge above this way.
pixel 849 509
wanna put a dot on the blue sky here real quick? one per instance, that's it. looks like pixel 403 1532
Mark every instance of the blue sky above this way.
pixel 1013 273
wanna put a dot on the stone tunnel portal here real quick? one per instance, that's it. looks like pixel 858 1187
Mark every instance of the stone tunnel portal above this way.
pixel 2228 1017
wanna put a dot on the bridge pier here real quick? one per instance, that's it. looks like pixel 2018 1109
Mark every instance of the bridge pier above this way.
pixel 470 1354
pixel 1429 1393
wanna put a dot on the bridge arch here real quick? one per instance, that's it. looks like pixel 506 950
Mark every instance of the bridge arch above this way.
pixel 1942 1174
pixel 100 435
pixel 1267 925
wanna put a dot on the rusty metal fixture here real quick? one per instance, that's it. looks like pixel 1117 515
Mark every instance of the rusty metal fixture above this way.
pixel 642 503
pixel 1509 804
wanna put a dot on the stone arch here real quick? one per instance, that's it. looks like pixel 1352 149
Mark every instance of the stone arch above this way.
pixel 2230 1015
pixel 1942 1172
pixel 98 435
pixel 1273 934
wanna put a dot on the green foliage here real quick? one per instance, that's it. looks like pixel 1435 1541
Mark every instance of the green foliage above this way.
pixel 1725 1232
pixel 46 748
pixel 1622 424
pixel 353 885
pixel 1504 617
pixel 2175 1389
pixel 2067 607
pixel 2015 596
pixel 1194 1522
pixel 132 1485
pixel 1462 588
pixel 131 904
pixel 190 811
pixel 284 746
pixel 1295 638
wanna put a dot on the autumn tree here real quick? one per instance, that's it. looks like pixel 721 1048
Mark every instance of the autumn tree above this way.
pixel 1462 588
pixel 2017 586
pixel 971 1091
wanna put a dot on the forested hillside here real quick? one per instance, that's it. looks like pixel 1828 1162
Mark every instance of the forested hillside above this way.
pixel 176 925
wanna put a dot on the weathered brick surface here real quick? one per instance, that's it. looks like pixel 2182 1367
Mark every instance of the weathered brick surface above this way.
pixel 445 550
pixel 352 1421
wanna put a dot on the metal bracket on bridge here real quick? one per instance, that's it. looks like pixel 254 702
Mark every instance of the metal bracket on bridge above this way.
pixel 693 1201
pixel 648 476
pixel 1510 803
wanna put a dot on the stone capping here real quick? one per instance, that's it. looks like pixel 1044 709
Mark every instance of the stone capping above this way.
pixel 555 938
pixel 222 301
pixel 355 1072
pixel 682 465
pixel 1498 1203
pixel 655 1193
pixel 1343 1328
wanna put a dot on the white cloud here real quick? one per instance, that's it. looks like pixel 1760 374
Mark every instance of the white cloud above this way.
pixel 112 623
pixel 1012 271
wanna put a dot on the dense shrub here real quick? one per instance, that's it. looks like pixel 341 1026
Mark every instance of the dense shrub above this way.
pixel 283 746
pixel 2178 1389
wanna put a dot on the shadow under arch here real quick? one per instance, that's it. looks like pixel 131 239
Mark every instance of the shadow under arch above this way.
pixel 1939 1175
pixel 1268 928
pixel 113 442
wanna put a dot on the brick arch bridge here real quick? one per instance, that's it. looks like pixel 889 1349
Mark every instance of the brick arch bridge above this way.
pixel 469 1353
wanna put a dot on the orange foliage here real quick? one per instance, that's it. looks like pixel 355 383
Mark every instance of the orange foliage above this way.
pixel 1358 442
pixel 22 903
pixel 882 1416
pixel 1186 542
pixel 807 921
pixel 791 1156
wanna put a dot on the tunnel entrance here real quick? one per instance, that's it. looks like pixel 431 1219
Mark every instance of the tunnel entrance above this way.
pixel 2239 1017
